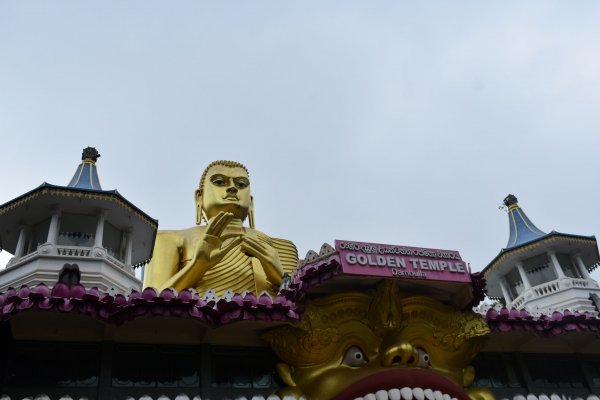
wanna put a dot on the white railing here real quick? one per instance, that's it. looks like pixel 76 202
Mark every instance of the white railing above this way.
pixel 581 283
pixel 549 288
pixel 72 251
pixel 546 288
pixel 26 257
pixel 114 261
pixel 518 302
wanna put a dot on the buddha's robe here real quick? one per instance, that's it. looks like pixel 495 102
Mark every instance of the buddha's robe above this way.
pixel 237 271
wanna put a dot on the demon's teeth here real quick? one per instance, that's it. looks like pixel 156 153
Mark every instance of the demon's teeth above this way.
pixel 418 393
pixel 407 393
pixel 429 394
pixel 394 394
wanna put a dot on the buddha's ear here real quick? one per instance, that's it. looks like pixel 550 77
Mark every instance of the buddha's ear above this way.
pixel 251 213
pixel 285 373
pixel 199 210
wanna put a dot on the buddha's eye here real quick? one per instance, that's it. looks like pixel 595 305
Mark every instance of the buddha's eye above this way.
pixel 423 358
pixel 241 184
pixel 218 181
pixel 354 357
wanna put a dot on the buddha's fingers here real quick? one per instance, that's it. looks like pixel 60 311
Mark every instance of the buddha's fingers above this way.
pixel 263 251
pixel 263 240
pixel 268 257
pixel 217 225
pixel 254 247
pixel 228 247
pixel 229 236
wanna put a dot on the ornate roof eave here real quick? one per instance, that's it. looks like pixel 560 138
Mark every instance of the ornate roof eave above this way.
pixel 550 237
pixel 47 188
pixel 117 309
pixel 557 323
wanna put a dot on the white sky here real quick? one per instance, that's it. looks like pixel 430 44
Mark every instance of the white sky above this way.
pixel 388 122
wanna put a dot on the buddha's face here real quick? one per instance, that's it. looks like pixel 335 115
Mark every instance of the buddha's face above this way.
pixel 226 189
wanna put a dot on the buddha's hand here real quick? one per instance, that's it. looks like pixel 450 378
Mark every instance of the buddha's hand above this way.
pixel 211 246
pixel 265 253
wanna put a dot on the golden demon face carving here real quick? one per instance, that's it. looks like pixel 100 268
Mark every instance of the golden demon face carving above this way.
pixel 352 345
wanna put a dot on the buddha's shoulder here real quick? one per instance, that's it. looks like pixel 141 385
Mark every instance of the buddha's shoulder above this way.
pixel 276 241
pixel 288 254
pixel 179 236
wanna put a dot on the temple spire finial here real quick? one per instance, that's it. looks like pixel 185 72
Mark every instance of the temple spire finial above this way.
pixel 86 175
pixel 521 229
pixel 90 154
pixel 510 200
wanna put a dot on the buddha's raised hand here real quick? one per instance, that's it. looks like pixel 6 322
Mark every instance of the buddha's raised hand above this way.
pixel 266 254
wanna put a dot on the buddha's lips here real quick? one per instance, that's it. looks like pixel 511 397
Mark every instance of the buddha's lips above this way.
pixel 399 378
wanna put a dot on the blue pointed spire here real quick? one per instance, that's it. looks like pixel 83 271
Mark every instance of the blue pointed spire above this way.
pixel 522 230
pixel 86 175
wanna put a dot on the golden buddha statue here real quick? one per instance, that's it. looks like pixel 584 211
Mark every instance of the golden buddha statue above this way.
pixel 223 254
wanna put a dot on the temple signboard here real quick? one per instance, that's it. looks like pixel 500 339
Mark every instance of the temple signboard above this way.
pixel 393 261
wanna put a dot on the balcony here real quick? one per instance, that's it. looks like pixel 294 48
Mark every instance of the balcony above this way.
pixel 76 252
pixel 73 251
pixel 551 288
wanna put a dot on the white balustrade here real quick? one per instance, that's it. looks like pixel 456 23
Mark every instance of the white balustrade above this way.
pixel 580 283
pixel 114 262
pixel 546 288
pixel 73 251
pixel 518 302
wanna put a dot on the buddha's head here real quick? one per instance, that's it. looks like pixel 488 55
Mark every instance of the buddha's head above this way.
pixel 352 344
pixel 224 186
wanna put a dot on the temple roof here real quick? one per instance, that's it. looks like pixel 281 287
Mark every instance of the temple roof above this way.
pixel 527 239
pixel 86 175
pixel 37 204
pixel 117 309
pixel 554 324
pixel 521 229
pixel 83 195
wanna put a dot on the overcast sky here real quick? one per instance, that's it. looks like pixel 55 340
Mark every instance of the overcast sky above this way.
pixel 389 122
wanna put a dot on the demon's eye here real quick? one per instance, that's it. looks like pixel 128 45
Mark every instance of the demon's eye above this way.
pixel 423 358
pixel 354 357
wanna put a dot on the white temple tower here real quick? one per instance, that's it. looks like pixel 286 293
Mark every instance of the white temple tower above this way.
pixel 75 233
pixel 543 271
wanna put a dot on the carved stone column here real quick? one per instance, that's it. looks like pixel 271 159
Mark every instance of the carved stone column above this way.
pixel 505 292
pixel 557 268
pixel 99 250
pixel 582 269
pixel 19 252
pixel 54 227
pixel 128 247
pixel 523 275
